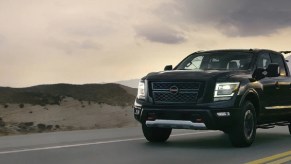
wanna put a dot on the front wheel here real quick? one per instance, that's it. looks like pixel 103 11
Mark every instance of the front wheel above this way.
pixel 156 134
pixel 243 132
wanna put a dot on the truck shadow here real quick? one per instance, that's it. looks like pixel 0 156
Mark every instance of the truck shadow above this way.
pixel 267 138
pixel 221 141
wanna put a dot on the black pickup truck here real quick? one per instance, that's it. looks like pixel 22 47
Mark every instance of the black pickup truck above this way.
pixel 235 91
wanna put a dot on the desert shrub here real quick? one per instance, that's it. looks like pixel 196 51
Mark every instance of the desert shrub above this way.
pixel 49 127
pixel 21 105
pixel 57 126
pixel 2 123
pixel 5 106
pixel 81 101
pixel 28 123
pixel 41 126
pixel 22 126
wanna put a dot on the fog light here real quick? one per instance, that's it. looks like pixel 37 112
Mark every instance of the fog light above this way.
pixel 152 116
pixel 199 120
pixel 223 114
pixel 136 111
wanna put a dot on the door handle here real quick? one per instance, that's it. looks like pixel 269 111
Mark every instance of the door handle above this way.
pixel 277 85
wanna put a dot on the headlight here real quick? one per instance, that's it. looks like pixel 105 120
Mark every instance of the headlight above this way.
pixel 141 90
pixel 224 91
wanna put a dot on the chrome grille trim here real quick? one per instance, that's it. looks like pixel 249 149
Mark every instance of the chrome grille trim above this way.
pixel 188 92
pixel 181 85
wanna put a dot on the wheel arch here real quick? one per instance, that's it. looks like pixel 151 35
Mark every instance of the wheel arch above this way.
pixel 253 96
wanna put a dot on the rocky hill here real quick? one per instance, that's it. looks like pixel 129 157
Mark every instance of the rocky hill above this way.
pixel 111 94
pixel 61 107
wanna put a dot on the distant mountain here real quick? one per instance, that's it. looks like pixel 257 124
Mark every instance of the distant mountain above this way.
pixel 112 94
pixel 130 83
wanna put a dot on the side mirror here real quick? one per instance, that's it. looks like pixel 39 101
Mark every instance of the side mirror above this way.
pixel 273 70
pixel 259 73
pixel 168 67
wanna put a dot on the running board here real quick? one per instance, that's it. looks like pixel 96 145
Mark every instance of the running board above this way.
pixel 272 125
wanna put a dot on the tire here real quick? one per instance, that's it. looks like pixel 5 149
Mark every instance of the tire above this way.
pixel 156 134
pixel 243 132
pixel 289 126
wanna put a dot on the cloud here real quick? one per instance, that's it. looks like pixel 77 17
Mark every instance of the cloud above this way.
pixel 73 46
pixel 90 27
pixel 161 34
pixel 2 40
pixel 231 17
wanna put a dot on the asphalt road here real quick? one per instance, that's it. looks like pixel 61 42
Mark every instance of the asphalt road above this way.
pixel 127 145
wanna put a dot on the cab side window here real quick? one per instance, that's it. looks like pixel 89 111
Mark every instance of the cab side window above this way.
pixel 263 60
pixel 279 60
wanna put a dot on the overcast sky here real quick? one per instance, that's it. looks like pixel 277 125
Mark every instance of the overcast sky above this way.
pixel 93 41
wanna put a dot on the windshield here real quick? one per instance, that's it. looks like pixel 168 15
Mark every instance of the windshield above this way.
pixel 217 61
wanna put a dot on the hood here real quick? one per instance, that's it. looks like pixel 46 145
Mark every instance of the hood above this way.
pixel 177 75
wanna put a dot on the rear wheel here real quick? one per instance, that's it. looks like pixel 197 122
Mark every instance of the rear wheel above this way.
pixel 243 132
pixel 156 134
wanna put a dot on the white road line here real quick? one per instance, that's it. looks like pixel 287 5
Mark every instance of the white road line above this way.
pixel 91 143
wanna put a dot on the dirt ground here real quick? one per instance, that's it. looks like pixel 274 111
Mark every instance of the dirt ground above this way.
pixel 69 115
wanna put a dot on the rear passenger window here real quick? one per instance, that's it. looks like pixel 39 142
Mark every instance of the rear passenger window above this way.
pixel 263 60
pixel 279 60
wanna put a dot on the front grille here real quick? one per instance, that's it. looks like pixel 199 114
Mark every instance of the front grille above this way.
pixel 180 85
pixel 175 92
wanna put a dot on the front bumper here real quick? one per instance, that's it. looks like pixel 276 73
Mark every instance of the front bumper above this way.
pixel 186 118
pixel 176 124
